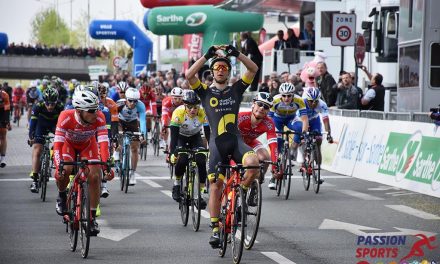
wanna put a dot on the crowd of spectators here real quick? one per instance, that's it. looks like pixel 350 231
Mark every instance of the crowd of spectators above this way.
pixel 63 51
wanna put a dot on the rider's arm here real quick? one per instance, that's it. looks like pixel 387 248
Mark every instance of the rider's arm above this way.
pixel 251 67
pixel 34 120
pixel 176 120
pixel 60 137
pixel 207 132
pixel 302 114
pixel 6 105
pixel 153 103
pixel 102 137
pixel 323 110
pixel 191 74
pixel 272 141
pixel 141 110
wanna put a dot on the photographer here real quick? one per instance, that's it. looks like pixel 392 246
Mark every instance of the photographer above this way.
pixel 435 115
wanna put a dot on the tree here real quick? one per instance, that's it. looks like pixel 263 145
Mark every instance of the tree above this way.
pixel 49 28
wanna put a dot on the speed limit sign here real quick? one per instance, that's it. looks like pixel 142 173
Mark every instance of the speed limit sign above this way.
pixel 343 29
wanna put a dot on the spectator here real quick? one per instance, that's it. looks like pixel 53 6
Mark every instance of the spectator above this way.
pixel 280 44
pixel 347 97
pixel 263 88
pixel 274 87
pixel 250 47
pixel 296 81
pixel 284 77
pixel 325 84
pixel 307 38
pixel 292 40
pixel 374 97
pixel 360 92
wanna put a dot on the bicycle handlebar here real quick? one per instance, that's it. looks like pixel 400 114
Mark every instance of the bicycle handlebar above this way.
pixel 193 151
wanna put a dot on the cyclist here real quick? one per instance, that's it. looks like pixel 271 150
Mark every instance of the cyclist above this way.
pixel 316 106
pixel 254 123
pixel 148 97
pixel 5 125
pixel 32 95
pixel 17 99
pixel 284 113
pixel 186 124
pixel 75 133
pixel 129 109
pixel 169 104
pixel 121 87
pixel 43 121
pixel 221 103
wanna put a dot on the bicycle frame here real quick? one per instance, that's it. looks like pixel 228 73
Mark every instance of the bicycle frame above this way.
pixel 124 169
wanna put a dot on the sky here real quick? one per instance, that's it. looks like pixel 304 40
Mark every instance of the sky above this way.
pixel 15 20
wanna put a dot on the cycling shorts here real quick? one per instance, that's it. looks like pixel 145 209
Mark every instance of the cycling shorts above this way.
pixel 43 128
pixel 131 126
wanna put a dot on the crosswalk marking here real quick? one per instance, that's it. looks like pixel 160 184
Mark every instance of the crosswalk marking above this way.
pixel 414 212
pixel 277 258
pixel 360 195
pixel 152 183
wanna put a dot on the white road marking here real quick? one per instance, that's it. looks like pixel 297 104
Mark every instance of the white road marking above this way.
pixel 360 195
pixel 167 193
pixel 205 214
pixel 112 233
pixel 400 193
pixel 414 212
pixel 383 188
pixel 277 258
pixel 322 176
pixel 152 183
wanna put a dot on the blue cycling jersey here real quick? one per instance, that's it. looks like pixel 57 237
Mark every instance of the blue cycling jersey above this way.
pixel 126 114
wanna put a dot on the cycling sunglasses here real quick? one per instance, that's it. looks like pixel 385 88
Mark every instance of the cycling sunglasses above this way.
pixel 132 101
pixel 50 104
pixel 220 67
pixel 286 95
pixel 312 101
pixel 92 111
pixel 261 104
pixel 190 107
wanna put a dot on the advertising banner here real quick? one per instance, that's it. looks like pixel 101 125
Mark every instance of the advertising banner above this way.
pixel 193 43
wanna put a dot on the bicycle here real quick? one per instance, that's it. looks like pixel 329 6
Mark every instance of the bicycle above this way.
pixel 155 140
pixel 190 195
pixel 170 165
pixel 17 113
pixel 285 166
pixel 311 166
pixel 233 210
pixel 78 216
pixel 124 166
pixel 45 169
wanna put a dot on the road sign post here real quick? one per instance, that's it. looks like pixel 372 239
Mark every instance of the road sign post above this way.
pixel 343 32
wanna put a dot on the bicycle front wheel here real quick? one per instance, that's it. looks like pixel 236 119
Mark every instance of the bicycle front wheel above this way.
pixel 184 199
pixel 222 227
pixel 44 175
pixel 253 214
pixel 156 139
pixel 316 170
pixel 85 220
pixel 196 198
pixel 287 176
pixel 238 231
pixel 127 167
pixel 305 172
pixel 73 227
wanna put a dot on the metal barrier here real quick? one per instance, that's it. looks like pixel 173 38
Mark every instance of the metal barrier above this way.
pixel 421 117
pixel 373 114
pixel 403 116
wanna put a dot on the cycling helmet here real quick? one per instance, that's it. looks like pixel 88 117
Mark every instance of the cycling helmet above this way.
pixel 91 88
pixel 122 86
pixel 95 84
pixel 103 88
pixel 85 100
pixel 287 88
pixel 264 97
pixel 50 95
pixel 312 94
pixel 177 92
pixel 132 94
pixel 224 59
pixel 190 97
pixel 33 84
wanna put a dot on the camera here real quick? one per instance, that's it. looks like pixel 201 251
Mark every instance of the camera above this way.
pixel 434 110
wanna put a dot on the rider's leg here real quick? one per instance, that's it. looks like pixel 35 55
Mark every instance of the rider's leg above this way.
pixel 134 146
pixel 296 126
pixel 37 149
pixel 279 126
pixel 3 144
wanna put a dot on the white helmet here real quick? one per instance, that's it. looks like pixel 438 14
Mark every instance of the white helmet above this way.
pixel 264 97
pixel 85 100
pixel 33 84
pixel 132 94
pixel 123 86
pixel 18 85
pixel 177 92
pixel 287 88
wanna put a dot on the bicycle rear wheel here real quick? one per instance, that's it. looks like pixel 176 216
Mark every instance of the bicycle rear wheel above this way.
pixel 316 169
pixel 196 198
pixel 253 215
pixel 127 167
pixel 85 220
pixel 305 172
pixel 287 177
pixel 171 168
pixel 184 199
pixel 222 227
pixel 73 227
pixel 156 139
pixel 120 174
pixel 238 231
pixel 44 175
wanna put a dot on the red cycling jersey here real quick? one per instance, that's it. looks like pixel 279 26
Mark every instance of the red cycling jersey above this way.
pixel 73 136
pixel 17 95
pixel 250 134
pixel 148 97
pixel 168 108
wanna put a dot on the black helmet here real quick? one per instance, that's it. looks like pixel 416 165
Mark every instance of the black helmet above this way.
pixel 191 98
pixel 50 95
pixel 216 59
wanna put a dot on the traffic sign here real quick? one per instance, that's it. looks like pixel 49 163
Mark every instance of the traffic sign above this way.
pixel 343 29
pixel 359 50
pixel 116 61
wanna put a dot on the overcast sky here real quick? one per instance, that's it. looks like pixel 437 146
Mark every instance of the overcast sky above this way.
pixel 16 15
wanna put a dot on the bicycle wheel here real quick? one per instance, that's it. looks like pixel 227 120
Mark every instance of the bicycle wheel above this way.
pixel 253 215
pixel 44 175
pixel 156 140
pixel 304 172
pixel 284 157
pixel 120 172
pixel 196 198
pixel 316 170
pixel 73 227
pixel 85 220
pixel 171 168
pixel 222 227
pixel 127 167
pixel 184 199
pixel 287 177
pixel 238 225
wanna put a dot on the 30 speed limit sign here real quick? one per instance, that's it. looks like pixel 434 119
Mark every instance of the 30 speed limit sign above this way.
pixel 343 29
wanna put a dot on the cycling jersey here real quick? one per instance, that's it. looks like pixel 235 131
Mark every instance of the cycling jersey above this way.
pixel 5 107
pixel 72 135
pixel 32 95
pixel 17 95
pixel 129 115
pixel 148 97
pixel 250 133
pixel 113 107
pixel 283 110
pixel 188 126
pixel 313 115
pixel 168 108
pixel 42 121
